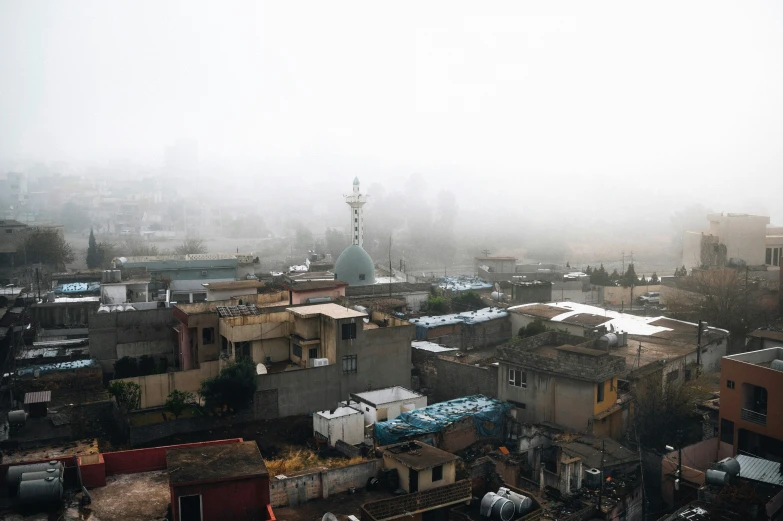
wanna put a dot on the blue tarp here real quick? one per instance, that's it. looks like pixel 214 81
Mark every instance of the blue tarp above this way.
pixel 78 288
pixel 487 415
pixel 469 318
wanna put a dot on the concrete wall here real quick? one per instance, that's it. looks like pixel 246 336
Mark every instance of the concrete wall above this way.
pixel 618 295
pixel 300 487
pixel 696 459
pixel 389 411
pixel 301 298
pixel 455 380
pixel 348 428
pixel 155 388
pixel 519 320
pixel 425 475
pixel 144 434
pixel 130 329
pixel 58 314
pixel 114 293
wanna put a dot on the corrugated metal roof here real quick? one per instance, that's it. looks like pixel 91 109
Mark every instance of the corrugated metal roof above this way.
pixel 38 397
pixel 758 469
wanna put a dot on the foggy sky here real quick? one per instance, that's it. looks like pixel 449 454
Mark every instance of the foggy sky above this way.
pixel 640 107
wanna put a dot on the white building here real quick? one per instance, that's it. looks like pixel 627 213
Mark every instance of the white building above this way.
pixel 387 404
pixel 343 423
pixel 733 237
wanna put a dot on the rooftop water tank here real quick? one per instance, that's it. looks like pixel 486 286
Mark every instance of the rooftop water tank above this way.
pixel 608 340
pixel 17 419
pixel 47 490
pixel 777 365
pixel 592 479
pixel 14 474
pixel 499 297
pixel 496 507
pixel 728 465
pixel 522 504
pixel 42 474
pixel 717 477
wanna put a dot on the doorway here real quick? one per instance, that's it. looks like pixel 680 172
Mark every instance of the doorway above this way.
pixel 190 508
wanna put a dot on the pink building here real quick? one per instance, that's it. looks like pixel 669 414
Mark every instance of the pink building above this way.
pixel 304 292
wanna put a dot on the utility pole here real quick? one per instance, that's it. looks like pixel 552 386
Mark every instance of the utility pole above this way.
pixel 601 490
pixel 698 347
pixel 623 254
pixel 486 252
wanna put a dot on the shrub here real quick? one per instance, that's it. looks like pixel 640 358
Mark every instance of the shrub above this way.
pixel 178 401
pixel 126 367
pixel 233 388
pixel 127 394
pixel 437 305
pixel 534 328
pixel 146 365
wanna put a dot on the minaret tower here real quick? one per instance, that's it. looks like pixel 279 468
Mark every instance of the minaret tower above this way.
pixel 356 200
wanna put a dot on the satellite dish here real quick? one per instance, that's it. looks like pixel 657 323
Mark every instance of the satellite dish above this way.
pixel 260 369
pixel 329 517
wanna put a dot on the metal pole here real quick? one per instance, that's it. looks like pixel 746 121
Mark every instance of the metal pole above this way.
pixel 698 347
pixel 601 490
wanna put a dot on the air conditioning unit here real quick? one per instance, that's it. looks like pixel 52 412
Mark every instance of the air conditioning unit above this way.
pixel 203 273
pixel 319 362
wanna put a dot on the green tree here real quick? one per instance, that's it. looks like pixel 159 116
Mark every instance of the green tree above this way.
pixel 233 388
pixel 106 254
pixel 614 277
pixel 437 305
pixel 599 277
pixel 93 255
pixel 467 301
pixel 654 279
pixel 629 278
pixel 178 401
pixel 47 246
pixel 147 365
pixel 532 329
pixel 127 394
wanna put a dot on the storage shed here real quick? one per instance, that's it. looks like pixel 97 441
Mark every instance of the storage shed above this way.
pixel 343 423
pixel 387 404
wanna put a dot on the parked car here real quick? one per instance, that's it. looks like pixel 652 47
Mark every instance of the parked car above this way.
pixel 651 297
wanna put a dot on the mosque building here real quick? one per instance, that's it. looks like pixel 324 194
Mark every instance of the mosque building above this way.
pixel 354 265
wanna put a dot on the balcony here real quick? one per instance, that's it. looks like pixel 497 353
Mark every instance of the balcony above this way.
pixel 753 417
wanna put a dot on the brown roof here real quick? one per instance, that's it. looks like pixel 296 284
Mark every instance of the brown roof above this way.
pixel 234 284
pixel 586 319
pixel 417 455
pixel 314 285
pixel 12 223
pixel 581 350
pixel 546 311
pixel 38 397
pixel 770 335
pixel 219 462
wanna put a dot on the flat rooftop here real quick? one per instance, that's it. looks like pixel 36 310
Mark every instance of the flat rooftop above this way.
pixel 388 395
pixel 233 285
pixel 762 357
pixel 314 285
pixel 588 449
pixel 417 455
pixel 48 452
pixel 214 463
pixel 330 310
pixel 767 334
pixel 132 497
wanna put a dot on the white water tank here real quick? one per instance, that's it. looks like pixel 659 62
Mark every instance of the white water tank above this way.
pixel 522 504
pixel 496 507
pixel 777 365
pixel 49 490
pixel 592 479
pixel 729 465
pixel 17 419
pixel 608 340
pixel 717 477
pixel 42 474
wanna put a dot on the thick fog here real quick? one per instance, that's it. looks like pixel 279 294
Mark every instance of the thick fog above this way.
pixel 562 131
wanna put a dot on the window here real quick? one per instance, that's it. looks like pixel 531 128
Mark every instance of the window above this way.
pixel 672 376
pixel 437 473
pixel 9 230
pixel 726 431
pixel 361 276
pixel 208 335
pixel 312 352
pixel 349 331
pixel 517 378
pixel 600 393
pixel 349 364
pixel 768 259
pixel 297 350
pixel 730 384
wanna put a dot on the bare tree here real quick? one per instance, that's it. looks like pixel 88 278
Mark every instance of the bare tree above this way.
pixel 190 245
pixel 136 247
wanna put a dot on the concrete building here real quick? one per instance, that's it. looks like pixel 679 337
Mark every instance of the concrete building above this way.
pixel 471 329
pixel 533 291
pixel 330 352
pixel 233 288
pixel 341 424
pixel 763 338
pixel 733 238
pixel 655 346
pixel 572 386
pixel 420 466
pixel 185 275
pixel 307 292
pixel 495 269
pixel 413 295
pixel 750 403
pixel 387 404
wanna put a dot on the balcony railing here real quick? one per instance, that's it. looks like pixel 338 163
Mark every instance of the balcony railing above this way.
pixel 753 417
